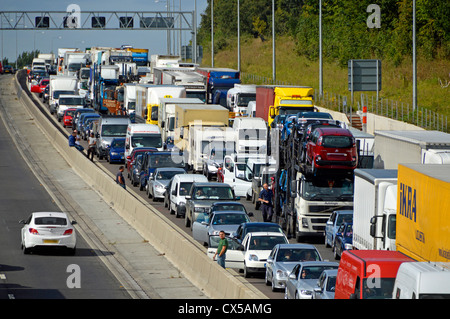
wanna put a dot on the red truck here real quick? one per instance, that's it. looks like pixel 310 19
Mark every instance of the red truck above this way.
pixel 368 274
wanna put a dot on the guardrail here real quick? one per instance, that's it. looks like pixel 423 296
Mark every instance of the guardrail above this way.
pixel 184 252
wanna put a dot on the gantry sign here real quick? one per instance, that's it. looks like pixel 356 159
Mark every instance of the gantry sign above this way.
pixel 76 19
pixel 97 20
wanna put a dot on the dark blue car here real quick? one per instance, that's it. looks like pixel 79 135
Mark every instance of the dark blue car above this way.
pixel 253 227
pixel 343 240
pixel 153 160
pixel 116 151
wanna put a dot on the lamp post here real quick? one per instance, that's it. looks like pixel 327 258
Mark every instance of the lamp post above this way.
pixel 212 33
pixel 274 72
pixel 320 51
pixel 239 37
pixel 414 101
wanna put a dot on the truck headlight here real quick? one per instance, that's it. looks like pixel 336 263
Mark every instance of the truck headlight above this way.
pixel 305 222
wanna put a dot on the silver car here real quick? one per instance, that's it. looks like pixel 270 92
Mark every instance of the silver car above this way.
pixel 208 225
pixel 303 278
pixel 283 258
pixel 325 285
pixel 157 184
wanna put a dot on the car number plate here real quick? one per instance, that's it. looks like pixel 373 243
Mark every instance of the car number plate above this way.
pixel 50 241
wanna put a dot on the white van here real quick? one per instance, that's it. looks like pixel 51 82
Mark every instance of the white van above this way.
pixel 179 189
pixel 142 135
pixel 422 280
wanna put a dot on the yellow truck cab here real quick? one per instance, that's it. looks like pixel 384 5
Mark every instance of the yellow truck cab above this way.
pixel 274 100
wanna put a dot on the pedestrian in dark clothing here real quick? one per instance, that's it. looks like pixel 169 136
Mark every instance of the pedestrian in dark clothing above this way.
pixel 119 178
pixel 265 197
pixel 74 143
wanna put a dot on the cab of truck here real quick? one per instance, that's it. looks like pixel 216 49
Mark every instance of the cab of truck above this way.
pixel 368 274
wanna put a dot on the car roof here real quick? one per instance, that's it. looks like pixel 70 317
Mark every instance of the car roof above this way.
pixel 226 203
pixel 261 224
pixel 237 212
pixel 334 131
pixel 191 177
pixel 318 263
pixel 266 233
pixel 170 169
pixel 298 246
pixel 211 184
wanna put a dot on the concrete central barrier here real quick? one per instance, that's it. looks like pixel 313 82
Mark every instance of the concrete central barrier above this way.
pixel 183 251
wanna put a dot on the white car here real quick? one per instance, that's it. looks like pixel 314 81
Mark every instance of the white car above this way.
pixel 257 248
pixel 48 229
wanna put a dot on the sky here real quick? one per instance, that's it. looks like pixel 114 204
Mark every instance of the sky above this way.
pixel 155 41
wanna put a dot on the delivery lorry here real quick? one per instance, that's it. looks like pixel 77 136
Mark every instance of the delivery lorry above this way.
pixel 74 61
pixel 273 100
pixel 374 206
pixel 142 135
pixel 190 118
pixel 422 280
pixel 219 79
pixel 61 84
pixel 166 114
pixel 409 146
pixel 129 96
pixel 238 98
pixel 423 211
pixel 368 274
pixel 251 135
pixel 147 99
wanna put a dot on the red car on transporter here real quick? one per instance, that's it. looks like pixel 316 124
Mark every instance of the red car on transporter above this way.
pixel 331 148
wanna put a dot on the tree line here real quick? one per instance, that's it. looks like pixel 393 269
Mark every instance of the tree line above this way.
pixel 345 32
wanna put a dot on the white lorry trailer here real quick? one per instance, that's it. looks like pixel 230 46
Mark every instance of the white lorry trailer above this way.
pixel 374 209
pixel 406 147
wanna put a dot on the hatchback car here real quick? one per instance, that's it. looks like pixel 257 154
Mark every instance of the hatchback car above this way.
pixel 343 240
pixel 283 259
pixel 325 285
pixel 337 218
pixel 303 278
pixel 257 248
pixel 68 117
pixel 48 229
pixel 208 224
pixel 116 150
pixel 157 185
pixel 331 149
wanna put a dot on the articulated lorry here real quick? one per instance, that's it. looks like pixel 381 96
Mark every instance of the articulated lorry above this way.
pixel 166 114
pixel 272 100
pixel 374 209
pixel 410 147
pixel 219 79
pixel 238 98
pixel 423 212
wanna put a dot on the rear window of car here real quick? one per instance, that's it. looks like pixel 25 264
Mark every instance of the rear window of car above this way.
pixel 337 141
pixel 50 221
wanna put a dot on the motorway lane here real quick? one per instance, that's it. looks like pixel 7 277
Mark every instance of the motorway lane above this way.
pixel 44 274
pixel 257 281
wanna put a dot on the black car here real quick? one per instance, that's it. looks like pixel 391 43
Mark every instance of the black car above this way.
pixel 252 227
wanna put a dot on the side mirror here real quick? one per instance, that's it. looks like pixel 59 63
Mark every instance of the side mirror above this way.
pixel 22 221
pixel 188 197
pixel 292 276
pixel 250 214
pixel 174 192
pixel 74 222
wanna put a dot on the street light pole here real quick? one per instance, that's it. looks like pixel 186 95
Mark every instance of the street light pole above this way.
pixel 320 51
pixel 239 37
pixel 274 73
pixel 414 101
pixel 212 33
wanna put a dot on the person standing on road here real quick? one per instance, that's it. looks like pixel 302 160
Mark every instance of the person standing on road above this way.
pixel 91 149
pixel 221 249
pixel 265 197
pixel 119 178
